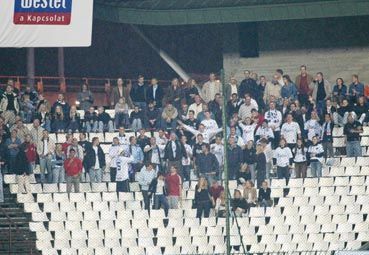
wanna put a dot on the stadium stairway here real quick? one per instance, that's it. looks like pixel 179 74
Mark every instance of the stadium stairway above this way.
pixel 15 235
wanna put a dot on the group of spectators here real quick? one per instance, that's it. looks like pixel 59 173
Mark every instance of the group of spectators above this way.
pixel 276 127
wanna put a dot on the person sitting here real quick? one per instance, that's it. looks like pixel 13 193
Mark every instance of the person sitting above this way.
pixel 104 122
pixel 74 124
pixel 249 194
pixel 243 174
pixel 239 205
pixel 121 114
pixel 136 119
pixel 90 120
pixel 152 114
pixel 58 122
pixel 264 195
pixel 220 205
pixel 169 117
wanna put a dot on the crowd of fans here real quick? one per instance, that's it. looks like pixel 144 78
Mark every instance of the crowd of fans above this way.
pixel 274 128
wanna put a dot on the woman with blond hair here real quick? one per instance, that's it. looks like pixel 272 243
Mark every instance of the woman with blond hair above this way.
pixel 203 199
pixel 58 122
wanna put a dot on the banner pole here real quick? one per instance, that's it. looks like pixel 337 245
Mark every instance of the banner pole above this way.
pixel 226 179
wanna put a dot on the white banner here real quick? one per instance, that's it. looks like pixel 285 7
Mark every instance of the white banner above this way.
pixel 46 23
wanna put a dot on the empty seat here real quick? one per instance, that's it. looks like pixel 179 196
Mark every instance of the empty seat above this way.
pixel 326 181
pixel 311 182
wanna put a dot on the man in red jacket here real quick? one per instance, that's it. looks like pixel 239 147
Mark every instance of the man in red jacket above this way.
pixel 73 169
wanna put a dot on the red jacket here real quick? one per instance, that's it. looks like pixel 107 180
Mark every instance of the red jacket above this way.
pixel 30 150
pixel 73 166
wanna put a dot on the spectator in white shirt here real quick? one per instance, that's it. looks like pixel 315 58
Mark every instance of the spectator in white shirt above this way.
pixel 114 152
pixel 248 130
pixel 208 122
pixel 312 126
pixel 300 159
pixel 196 107
pixel 274 118
pixel 316 154
pixel 290 131
pixel 217 149
pixel 282 158
pixel 207 134
pixel 186 159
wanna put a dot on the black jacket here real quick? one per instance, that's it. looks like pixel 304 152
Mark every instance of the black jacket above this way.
pixel 180 151
pixel 235 157
pixel 207 163
pixel 153 185
pixel 264 194
pixel 159 95
pixel 90 159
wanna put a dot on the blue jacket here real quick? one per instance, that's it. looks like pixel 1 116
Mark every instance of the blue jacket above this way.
pixel 289 91
pixel 342 92
pixel 359 89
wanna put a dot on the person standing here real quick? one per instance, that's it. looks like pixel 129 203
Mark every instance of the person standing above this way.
pixel 203 200
pixel 23 165
pixel 300 159
pixel 73 169
pixel 247 86
pixel 114 153
pixel 95 161
pixel 173 152
pixel 58 159
pixel 85 98
pixel 282 157
pixel 327 137
pixel 153 154
pixel 207 165
pixel 138 157
pixel 13 143
pixel 45 149
pixel 144 178
pixel 302 83
pixel 138 93
pixel 122 173
pixel 174 186
pixel 274 118
pixel 290 131
pixel 260 165
pixel 316 153
pixel 235 158
pixel 155 94
pixel 210 88
pixel 158 190
pixel 322 90
pixel 352 130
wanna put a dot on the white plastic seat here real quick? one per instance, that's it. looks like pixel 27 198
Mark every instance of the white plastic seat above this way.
pixel 51 207
pixel 285 201
pixel 352 170
pixel 347 236
pixel 328 228
pixel 272 211
pixel 297 229
pixel 60 197
pixel 301 201
pixel 306 210
pixel 256 212
pixel 133 205
pixel 85 187
pixel 326 181
pixel 295 182
pixel 44 236
pixel 25 198
pixel 106 224
pixel 141 214
pixel 344 227
pixel 342 190
pixel 58 216
pixel 348 162
pixel 91 216
pixel 107 215
pixel 79 234
pixel 109 196
pixel 67 206
pixel 155 223
pixel 339 218
pixel 311 191
pixel 307 219
pixel 77 197
pixel 352 209
pixel 99 187
pixel 295 192
pixel 10 178
pixel 362 199
pixel 50 188
pixel 257 221
pixel 170 250
pixel 316 200
pixel 337 171
pixel 36 216
pixel 299 238
pixel 181 232
pixel 320 246
pixel 341 181
pixel 278 183
pixel 336 246
pixel 36 188
pixel 37 227
pixel 276 192
pixel 347 200
pixel 188 249
pixel 257 248
pixel 265 230
pixel 290 211
pixel 75 216
pixel 153 250
pixel 323 219
pixel 311 182
pixel 332 200
pixel 89 225
pixel 312 228
pixel 72 225
pixel 157 214
pixel 208 222
pixel 197 231
pixel 326 191
pixel 145 242
pixel 61 244
pixel 100 206
pixel 200 240
pixel 111 242
pixel 84 206
pixel 145 232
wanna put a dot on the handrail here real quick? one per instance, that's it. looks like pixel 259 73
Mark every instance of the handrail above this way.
pixel 12 223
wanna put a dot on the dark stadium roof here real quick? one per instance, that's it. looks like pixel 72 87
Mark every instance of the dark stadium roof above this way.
pixel 185 12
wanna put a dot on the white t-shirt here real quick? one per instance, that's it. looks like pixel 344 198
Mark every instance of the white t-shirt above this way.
pixel 283 156
pixel 209 124
pixel 97 163
pixel 218 151
pixel 248 132
pixel 290 131
pixel 186 161
pixel 274 118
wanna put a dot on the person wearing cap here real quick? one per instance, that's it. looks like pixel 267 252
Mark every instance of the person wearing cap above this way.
pixel 73 169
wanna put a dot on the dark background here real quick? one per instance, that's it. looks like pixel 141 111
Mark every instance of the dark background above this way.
pixel 118 51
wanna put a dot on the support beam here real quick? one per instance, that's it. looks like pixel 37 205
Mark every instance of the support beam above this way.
pixel 31 67
pixel 61 69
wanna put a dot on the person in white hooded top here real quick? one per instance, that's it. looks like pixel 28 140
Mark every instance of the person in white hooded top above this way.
pixel 122 171
pixel 282 158
pixel 274 118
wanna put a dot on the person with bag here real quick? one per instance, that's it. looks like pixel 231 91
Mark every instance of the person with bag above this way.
pixel 203 200
pixel 73 169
